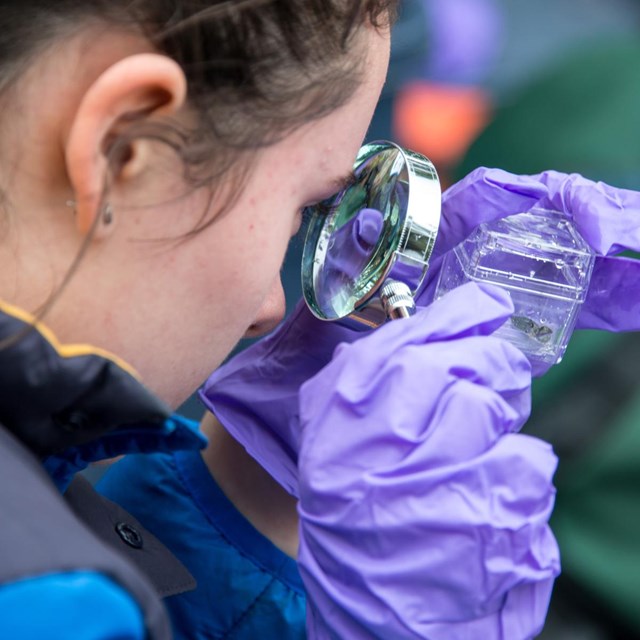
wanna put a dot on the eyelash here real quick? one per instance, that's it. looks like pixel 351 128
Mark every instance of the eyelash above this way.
pixel 327 206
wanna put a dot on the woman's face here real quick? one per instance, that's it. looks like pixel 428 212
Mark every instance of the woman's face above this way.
pixel 175 311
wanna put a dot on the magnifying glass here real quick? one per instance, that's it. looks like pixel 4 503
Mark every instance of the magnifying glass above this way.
pixel 367 248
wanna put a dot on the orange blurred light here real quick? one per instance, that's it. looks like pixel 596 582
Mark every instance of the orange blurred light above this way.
pixel 440 121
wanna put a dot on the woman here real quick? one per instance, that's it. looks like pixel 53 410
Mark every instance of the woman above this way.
pixel 148 200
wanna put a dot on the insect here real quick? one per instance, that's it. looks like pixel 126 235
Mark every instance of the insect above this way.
pixel 540 332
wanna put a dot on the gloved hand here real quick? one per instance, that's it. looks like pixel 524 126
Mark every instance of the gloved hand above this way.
pixel 255 395
pixel 423 514
pixel 606 217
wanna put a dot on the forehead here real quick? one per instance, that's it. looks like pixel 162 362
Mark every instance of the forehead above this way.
pixel 312 161
pixel 325 150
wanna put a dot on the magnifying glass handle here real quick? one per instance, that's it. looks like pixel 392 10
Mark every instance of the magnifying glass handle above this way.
pixel 397 300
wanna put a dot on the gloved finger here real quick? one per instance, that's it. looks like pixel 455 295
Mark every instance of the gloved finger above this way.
pixel 608 218
pixel 484 195
pixel 431 544
pixel 472 309
pixel 495 412
pixel 613 298
pixel 301 339
pixel 396 407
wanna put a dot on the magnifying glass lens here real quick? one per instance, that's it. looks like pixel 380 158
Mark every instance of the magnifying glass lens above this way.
pixel 353 235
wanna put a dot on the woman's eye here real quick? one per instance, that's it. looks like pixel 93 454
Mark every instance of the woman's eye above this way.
pixel 328 205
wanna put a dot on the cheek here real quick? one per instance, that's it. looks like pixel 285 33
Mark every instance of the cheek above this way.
pixel 237 266
pixel 228 270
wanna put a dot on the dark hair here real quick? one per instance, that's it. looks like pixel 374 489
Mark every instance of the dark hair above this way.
pixel 256 69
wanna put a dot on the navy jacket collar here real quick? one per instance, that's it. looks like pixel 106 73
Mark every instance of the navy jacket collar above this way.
pixel 78 404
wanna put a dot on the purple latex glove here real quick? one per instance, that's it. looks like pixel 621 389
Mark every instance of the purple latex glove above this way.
pixel 423 513
pixel 255 395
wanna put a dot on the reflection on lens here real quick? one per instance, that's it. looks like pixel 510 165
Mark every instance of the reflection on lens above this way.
pixel 349 251
pixel 383 226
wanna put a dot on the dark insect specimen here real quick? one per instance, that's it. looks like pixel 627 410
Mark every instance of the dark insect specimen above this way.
pixel 540 332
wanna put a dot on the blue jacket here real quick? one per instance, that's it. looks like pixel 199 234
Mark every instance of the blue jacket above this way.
pixel 247 588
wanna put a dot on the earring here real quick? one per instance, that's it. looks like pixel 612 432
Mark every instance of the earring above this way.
pixel 107 211
pixel 107 214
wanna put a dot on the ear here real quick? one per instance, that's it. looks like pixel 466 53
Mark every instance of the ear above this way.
pixel 143 85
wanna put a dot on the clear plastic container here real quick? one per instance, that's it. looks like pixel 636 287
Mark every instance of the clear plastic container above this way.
pixel 542 261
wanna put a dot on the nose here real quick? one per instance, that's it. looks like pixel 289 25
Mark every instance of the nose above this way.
pixel 270 313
